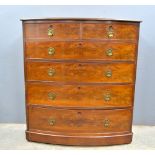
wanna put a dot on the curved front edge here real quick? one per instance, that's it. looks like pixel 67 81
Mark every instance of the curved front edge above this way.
pixel 79 140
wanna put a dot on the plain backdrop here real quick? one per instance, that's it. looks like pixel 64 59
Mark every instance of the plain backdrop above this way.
pixel 12 104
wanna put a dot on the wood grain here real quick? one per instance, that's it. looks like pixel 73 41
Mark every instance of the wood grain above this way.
pixel 61 31
pixel 80 72
pixel 78 139
pixel 89 121
pixel 81 96
pixel 99 31
pixel 84 50
pixel 80 84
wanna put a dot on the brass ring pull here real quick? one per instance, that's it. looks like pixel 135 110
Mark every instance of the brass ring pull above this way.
pixel 109 52
pixel 51 51
pixel 50 32
pixel 51 72
pixel 51 121
pixel 108 74
pixel 106 123
pixel 110 32
pixel 107 97
pixel 51 96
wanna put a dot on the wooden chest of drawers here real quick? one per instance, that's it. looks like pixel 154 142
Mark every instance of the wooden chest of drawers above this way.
pixel 80 80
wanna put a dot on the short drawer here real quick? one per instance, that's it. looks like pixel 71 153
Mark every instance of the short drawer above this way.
pixel 85 50
pixel 87 96
pixel 52 31
pixel 86 121
pixel 80 72
pixel 110 31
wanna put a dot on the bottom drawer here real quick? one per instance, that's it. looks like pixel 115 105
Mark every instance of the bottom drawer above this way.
pixel 75 121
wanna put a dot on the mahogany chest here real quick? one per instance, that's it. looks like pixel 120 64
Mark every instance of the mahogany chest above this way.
pixel 80 80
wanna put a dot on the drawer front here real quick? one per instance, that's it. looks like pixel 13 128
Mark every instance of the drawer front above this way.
pixel 109 31
pixel 80 72
pixel 89 121
pixel 101 96
pixel 80 50
pixel 52 31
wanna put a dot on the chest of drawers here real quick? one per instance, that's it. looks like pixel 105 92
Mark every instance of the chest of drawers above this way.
pixel 80 80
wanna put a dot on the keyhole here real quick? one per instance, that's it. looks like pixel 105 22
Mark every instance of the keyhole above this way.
pixel 79 113
pixel 79 87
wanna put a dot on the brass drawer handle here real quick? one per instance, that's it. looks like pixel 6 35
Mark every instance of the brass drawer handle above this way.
pixel 110 32
pixel 51 51
pixel 107 97
pixel 51 96
pixel 51 72
pixel 109 52
pixel 51 121
pixel 108 74
pixel 106 123
pixel 50 32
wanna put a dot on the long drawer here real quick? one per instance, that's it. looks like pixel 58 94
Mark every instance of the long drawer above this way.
pixel 81 96
pixel 80 72
pixel 86 121
pixel 85 50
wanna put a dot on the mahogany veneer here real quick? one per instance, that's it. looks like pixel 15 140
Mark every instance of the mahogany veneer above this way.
pixel 80 80
pixel 80 50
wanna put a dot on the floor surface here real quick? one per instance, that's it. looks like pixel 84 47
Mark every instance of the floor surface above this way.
pixel 12 137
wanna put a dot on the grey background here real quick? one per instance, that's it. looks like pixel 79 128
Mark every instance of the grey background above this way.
pixel 12 108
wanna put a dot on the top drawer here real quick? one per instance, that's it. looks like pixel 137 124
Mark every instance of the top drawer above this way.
pixel 81 30
pixel 110 31
pixel 52 30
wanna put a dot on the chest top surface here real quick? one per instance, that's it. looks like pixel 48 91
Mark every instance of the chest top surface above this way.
pixel 79 19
